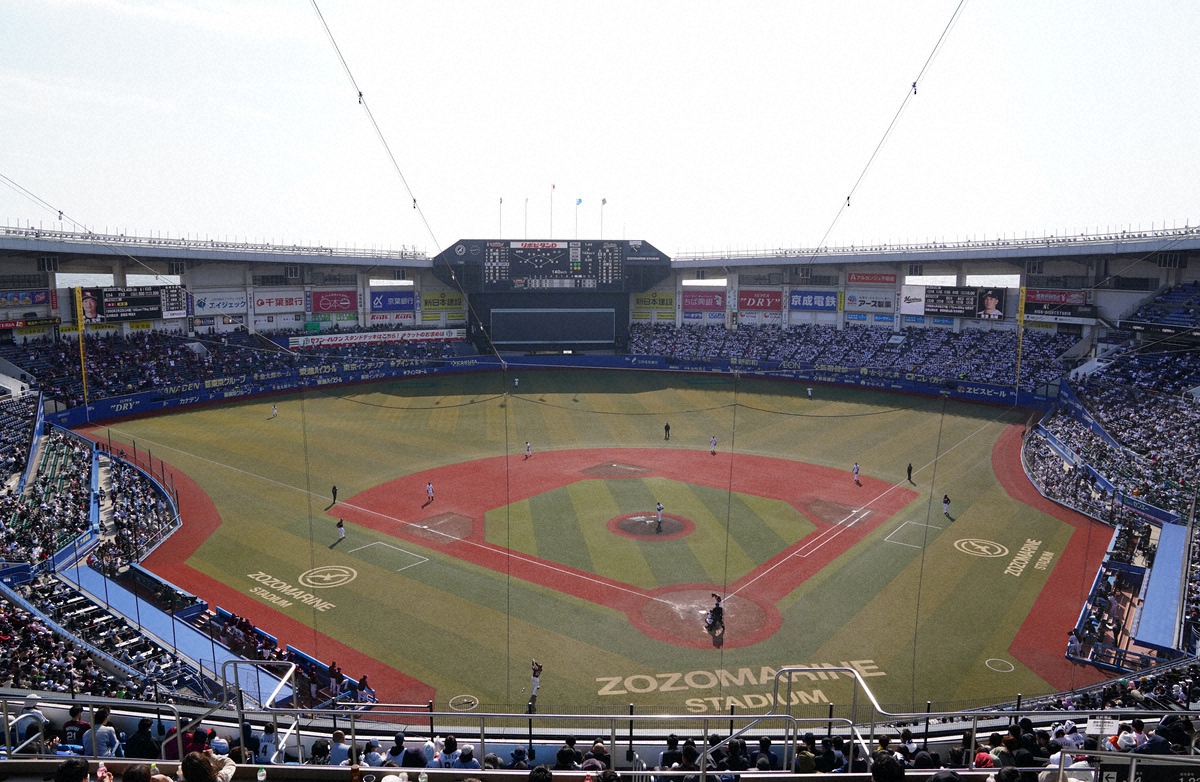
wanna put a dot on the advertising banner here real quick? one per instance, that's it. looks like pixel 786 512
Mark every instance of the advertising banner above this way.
pixel 393 300
pixel 704 300
pixel 219 302
pixel 866 300
pixel 1058 304
pixel 271 301
pixel 441 301
pixel 871 278
pixel 771 301
pixel 38 298
pixel 335 301
pixel 813 301
pixel 912 300
pixel 654 300
pixel 406 318
pixel 369 337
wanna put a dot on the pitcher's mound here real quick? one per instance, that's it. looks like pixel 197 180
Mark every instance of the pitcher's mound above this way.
pixel 645 525
pixel 616 470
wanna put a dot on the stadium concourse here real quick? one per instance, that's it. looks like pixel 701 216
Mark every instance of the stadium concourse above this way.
pixel 1116 444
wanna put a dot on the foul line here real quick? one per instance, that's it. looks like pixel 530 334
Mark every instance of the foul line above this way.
pixel 831 533
pixel 483 546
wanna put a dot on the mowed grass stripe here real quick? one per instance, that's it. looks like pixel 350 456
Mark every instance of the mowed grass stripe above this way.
pixel 558 534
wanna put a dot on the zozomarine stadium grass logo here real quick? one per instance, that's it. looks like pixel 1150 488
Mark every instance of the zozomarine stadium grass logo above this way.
pixel 327 576
pixel 980 548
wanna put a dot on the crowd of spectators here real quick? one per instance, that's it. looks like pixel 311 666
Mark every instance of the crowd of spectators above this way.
pixel 34 657
pixel 978 355
pixel 139 518
pixel 55 506
pixel 1067 484
pixel 146 360
pixel 17 416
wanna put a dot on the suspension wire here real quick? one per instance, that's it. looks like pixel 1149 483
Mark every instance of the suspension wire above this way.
pixel 729 507
pixel 937 452
pixel 909 93
pixel 362 100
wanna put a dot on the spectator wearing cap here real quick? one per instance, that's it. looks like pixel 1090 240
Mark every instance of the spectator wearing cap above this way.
pixel 466 758
pixel 804 762
pixel 411 757
pixel 371 754
pixel 518 756
pixel 591 764
pixel 396 751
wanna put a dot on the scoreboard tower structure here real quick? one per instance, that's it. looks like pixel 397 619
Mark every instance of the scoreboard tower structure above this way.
pixel 551 295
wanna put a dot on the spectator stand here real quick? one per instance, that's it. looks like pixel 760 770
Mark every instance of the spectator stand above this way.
pixel 18 424
pixel 173 634
pixel 34 436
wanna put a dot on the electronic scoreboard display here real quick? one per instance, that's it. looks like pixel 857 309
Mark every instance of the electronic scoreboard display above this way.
pixel 145 302
pixel 547 265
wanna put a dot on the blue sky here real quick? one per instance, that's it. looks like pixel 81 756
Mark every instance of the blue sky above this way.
pixel 706 126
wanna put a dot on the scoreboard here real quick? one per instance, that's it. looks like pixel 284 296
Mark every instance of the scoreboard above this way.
pixel 963 302
pixel 598 266
pixel 534 265
pixel 144 302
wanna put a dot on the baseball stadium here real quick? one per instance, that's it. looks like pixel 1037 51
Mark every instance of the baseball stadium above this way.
pixel 918 507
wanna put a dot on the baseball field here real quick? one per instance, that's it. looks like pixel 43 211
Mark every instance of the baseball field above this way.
pixel 465 555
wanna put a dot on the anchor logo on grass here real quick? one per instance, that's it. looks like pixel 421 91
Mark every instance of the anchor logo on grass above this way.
pixel 980 548
pixel 327 576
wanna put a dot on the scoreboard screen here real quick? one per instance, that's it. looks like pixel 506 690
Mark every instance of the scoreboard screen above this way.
pixel 598 266
pixel 527 265
pixel 963 302
pixel 145 302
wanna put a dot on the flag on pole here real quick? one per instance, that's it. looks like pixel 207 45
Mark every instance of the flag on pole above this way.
pixel 578 201
pixel 551 187
pixel 603 201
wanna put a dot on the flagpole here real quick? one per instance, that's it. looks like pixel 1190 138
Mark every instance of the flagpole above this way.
pixel 577 200
pixel 501 234
pixel 551 236
pixel 603 201
pixel 526 217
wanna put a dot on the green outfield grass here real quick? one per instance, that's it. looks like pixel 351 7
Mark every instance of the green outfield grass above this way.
pixel 927 621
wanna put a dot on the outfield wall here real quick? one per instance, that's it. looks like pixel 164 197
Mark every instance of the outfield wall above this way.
pixel 371 370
